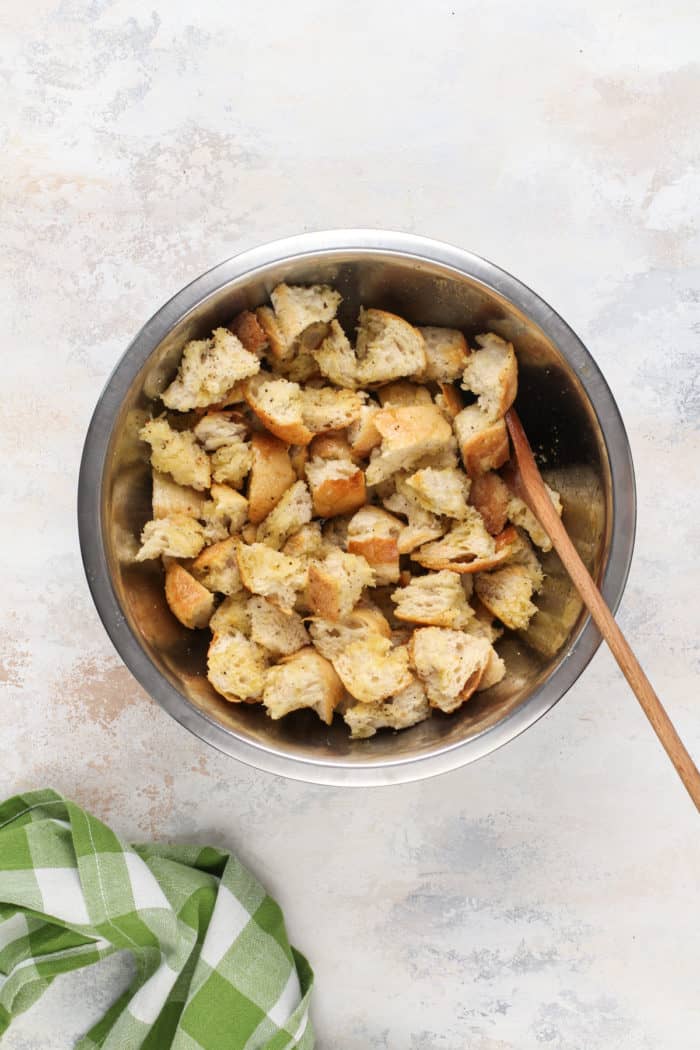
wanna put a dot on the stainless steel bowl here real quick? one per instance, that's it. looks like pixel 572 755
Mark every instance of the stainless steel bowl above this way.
pixel 570 416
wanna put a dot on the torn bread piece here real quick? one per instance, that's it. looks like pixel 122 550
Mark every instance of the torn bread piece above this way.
pixel 336 359
pixel 231 464
pixel 177 536
pixel 190 602
pixel 331 637
pixel 292 511
pixel 278 632
pixel 330 446
pixel 408 434
pixel 279 405
pixel 446 354
pixel 363 435
pixel 371 669
pixel 522 553
pixel 170 498
pixel 335 532
pixel 177 453
pixel 225 513
pixel 520 514
pixel 494 672
pixel 232 615
pixel 387 347
pixel 492 374
pixel 507 594
pixel 449 663
pixel 271 474
pixel 335 584
pixel 247 328
pixel 404 709
pixel 208 369
pixel 442 492
pixel 436 600
pixel 216 429
pixel 326 408
pixel 304 679
pixel 296 308
pixel 373 533
pixel 490 496
pixel 467 547
pixel 217 567
pixel 236 667
pixel 402 393
pixel 337 486
pixel 483 443
pixel 449 401
pixel 307 543
pixel 272 575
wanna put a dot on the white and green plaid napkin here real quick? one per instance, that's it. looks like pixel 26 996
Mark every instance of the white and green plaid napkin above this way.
pixel 215 970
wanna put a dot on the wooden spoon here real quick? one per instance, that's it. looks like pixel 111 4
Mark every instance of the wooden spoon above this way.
pixel 530 487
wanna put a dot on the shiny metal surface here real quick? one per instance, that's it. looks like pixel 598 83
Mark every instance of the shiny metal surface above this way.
pixel 565 405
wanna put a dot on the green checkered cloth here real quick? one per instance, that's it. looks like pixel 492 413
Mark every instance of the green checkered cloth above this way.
pixel 214 968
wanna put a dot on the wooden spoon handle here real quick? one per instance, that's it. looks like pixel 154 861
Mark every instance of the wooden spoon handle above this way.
pixel 535 494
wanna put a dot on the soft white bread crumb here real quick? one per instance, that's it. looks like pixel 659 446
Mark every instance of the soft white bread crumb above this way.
pixel 304 679
pixel 491 496
pixel 402 393
pixel 246 326
pixel 217 567
pixel 209 367
pixel 335 532
pixel 494 672
pixel 279 632
pixel 279 405
pixel 331 637
pixel 177 536
pixel 483 625
pixel 170 498
pixel 446 354
pixel 297 308
pixel 422 526
pixel 442 492
pixel 507 594
pixel 373 533
pixel 449 663
pixel 336 358
pixel 325 408
pixel 520 514
pixel 177 453
pixel 405 709
pixel 387 348
pixel 225 513
pixel 307 543
pixel 220 428
pixel 273 575
pixel 363 435
pixel 236 667
pixel 189 601
pixel 483 443
pixel 408 434
pixel 436 599
pixel 337 486
pixel 292 511
pixel 492 374
pixel 271 474
pixel 231 464
pixel 371 670
pixel 467 547
pixel 232 615
pixel 335 584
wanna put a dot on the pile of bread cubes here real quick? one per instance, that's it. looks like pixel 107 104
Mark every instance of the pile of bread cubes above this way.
pixel 334 515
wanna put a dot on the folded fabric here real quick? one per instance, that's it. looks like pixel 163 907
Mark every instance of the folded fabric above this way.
pixel 214 968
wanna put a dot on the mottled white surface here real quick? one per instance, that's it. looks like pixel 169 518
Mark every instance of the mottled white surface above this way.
pixel 547 896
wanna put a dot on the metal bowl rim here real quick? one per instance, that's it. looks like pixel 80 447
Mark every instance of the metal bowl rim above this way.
pixel 336 772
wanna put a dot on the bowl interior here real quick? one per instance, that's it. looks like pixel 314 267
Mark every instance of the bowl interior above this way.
pixel 557 414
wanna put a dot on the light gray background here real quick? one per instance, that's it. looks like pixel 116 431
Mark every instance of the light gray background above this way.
pixel 547 896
